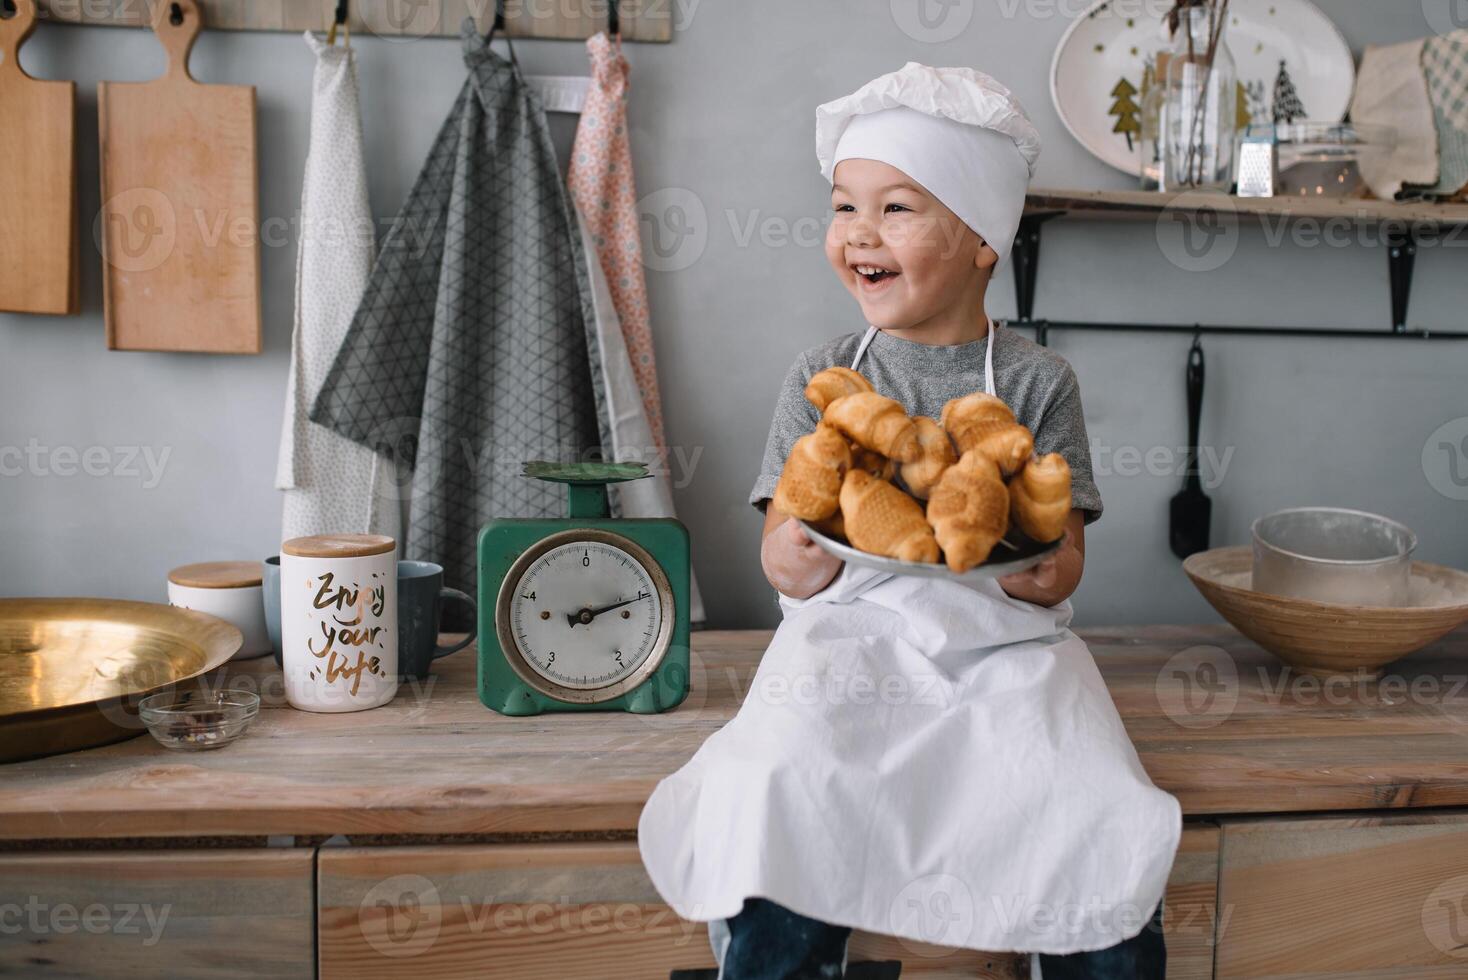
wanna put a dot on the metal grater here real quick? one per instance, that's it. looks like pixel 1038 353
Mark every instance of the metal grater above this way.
pixel 1258 170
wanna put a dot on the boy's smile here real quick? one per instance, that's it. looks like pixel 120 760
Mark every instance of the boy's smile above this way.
pixel 911 263
pixel 872 278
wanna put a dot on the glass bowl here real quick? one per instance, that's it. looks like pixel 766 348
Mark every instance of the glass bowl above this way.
pixel 193 720
pixel 1319 159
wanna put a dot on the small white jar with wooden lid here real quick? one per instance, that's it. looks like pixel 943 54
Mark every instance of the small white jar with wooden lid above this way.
pixel 229 590
pixel 339 621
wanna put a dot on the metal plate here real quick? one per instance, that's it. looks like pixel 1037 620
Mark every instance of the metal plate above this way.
pixel 72 671
pixel 1004 560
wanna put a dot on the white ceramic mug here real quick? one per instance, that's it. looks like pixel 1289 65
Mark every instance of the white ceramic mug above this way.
pixel 339 621
pixel 229 590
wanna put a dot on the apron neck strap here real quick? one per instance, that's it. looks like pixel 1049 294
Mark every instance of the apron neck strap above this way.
pixel 866 342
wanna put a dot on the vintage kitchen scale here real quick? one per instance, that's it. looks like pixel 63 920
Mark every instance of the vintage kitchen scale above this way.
pixel 584 612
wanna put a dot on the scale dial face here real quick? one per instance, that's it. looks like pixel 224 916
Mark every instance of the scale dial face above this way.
pixel 585 615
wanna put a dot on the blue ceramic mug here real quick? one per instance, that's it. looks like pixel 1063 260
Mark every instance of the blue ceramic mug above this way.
pixel 270 587
pixel 421 595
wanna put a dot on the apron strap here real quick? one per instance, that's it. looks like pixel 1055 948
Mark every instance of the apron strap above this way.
pixel 862 349
pixel 988 354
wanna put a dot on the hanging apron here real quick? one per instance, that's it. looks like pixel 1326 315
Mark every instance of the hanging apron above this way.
pixel 329 481
pixel 924 759
pixel 474 348
pixel 601 185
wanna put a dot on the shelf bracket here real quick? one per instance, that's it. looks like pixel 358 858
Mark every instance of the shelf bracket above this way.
pixel 1401 255
pixel 1026 258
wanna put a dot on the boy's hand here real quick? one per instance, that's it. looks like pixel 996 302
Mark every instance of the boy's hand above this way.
pixel 793 563
pixel 1054 579
pixel 1038 576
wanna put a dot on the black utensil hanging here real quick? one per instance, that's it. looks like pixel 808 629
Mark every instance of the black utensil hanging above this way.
pixel 1191 508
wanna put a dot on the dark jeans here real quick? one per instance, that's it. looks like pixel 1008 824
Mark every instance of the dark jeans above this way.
pixel 769 942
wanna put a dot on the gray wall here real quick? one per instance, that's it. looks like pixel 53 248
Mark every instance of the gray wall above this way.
pixel 723 116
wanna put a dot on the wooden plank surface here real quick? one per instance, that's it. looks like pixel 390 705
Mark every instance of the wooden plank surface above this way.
pixel 180 223
pixel 1190 907
pixel 1148 205
pixel 1345 898
pixel 567 20
pixel 525 911
pixel 39 271
pixel 436 761
pixel 189 915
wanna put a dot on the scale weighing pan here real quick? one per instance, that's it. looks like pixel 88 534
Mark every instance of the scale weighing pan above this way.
pixel 72 671
pixel 1003 560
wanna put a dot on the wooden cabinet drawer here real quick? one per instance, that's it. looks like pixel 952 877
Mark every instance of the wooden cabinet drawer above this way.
pixel 1369 897
pixel 511 911
pixel 187 914
pixel 1190 906
pixel 579 911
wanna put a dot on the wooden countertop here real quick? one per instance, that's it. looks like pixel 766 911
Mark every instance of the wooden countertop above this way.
pixel 436 762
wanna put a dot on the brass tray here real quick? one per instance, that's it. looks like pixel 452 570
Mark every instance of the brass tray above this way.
pixel 72 671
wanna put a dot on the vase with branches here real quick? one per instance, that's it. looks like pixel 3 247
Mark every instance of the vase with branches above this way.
pixel 1200 104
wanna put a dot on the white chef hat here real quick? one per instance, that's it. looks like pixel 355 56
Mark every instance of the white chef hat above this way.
pixel 956 131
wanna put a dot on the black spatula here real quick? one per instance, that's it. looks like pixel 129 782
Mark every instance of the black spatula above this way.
pixel 1191 508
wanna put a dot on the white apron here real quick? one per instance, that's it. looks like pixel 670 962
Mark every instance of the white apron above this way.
pixel 332 485
pixel 923 759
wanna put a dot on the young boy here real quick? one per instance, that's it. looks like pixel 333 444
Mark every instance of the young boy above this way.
pixel 1009 812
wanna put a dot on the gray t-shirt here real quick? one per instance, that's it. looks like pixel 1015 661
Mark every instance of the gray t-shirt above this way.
pixel 1037 383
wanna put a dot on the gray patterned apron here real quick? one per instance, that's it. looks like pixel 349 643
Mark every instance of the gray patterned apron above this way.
pixel 474 347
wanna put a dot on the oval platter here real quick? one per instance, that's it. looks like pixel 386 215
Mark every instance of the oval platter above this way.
pixel 1114 40
pixel 1003 561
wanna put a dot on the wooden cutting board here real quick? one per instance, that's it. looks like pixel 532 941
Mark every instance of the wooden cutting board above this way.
pixel 38 229
pixel 180 229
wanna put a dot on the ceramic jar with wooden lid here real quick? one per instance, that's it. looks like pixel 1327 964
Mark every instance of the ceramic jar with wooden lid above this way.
pixel 339 621
pixel 229 590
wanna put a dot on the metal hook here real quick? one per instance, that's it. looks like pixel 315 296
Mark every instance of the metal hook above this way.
pixel 340 20
pixel 499 26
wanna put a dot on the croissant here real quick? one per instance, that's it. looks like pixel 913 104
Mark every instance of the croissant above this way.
pixel 1008 444
pixel 960 414
pixel 1039 497
pixel 810 484
pixel 873 462
pixel 832 527
pixel 877 423
pixel 883 520
pixel 826 386
pixel 937 455
pixel 969 510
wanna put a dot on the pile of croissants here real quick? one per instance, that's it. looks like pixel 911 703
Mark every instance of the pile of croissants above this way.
pixel 967 477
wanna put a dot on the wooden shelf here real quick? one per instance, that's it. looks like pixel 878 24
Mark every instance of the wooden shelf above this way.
pixel 1399 227
pixel 575 20
pixel 1149 204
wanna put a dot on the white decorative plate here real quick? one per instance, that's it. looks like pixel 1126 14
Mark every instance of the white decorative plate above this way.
pixel 1115 39
pixel 1003 561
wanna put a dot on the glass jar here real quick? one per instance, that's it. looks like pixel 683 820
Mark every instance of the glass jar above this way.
pixel 1200 104
pixel 1152 142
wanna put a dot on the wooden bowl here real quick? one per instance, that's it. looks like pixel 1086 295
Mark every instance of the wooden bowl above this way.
pixel 1325 638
